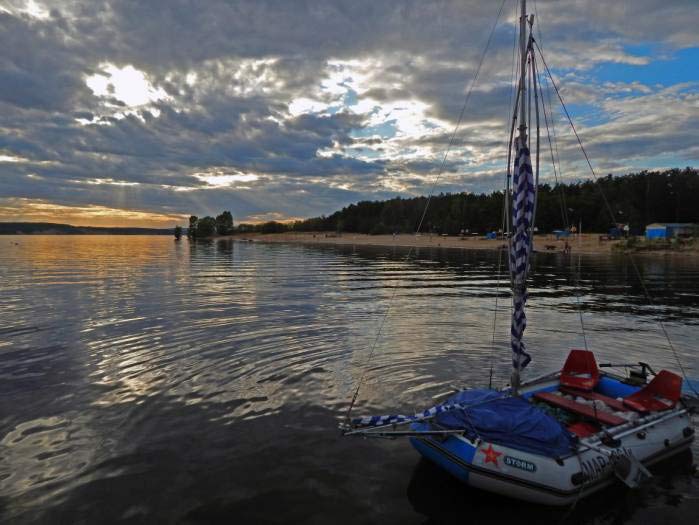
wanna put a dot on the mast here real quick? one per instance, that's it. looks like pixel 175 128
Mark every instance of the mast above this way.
pixel 520 103
pixel 523 73
pixel 523 203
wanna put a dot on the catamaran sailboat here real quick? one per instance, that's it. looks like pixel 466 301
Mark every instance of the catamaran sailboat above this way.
pixel 565 435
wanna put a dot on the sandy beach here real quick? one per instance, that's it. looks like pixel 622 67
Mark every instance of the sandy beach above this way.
pixel 585 243
pixel 588 243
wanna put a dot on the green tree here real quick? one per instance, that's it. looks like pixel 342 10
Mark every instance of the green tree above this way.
pixel 272 227
pixel 178 232
pixel 192 230
pixel 224 223
pixel 206 227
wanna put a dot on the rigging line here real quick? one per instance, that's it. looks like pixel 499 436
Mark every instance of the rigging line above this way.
pixel 517 52
pixel 557 160
pixel 509 164
pixel 564 213
pixel 427 204
pixel 570 120
pixel 575 131
pixel 514 69
pixel 495 317
pixel 561 188
pixel 534 77
pixel 558 156
pixel 577 297
pixel 461 115
pixel 510 111
pixel 564 206
pixel 611 213
pixel 662 325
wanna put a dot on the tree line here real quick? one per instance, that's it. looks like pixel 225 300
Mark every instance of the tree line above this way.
pixel 635 199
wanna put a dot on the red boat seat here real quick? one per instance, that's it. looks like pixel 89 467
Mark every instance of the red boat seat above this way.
pixel 662 393
pixel 578 408
pixel 580 370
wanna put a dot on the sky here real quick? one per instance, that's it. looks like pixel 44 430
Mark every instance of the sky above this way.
pixel 140 113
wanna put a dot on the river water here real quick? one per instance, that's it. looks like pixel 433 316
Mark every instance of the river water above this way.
pixel 144 380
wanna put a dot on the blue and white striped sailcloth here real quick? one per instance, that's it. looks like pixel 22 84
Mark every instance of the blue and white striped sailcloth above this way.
pixel 523 195
pixel 377 421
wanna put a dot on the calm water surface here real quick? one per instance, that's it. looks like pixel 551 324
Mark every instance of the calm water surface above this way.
pixel 144 380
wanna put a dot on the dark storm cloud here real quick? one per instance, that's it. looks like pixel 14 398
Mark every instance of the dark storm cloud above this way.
pixel 37 70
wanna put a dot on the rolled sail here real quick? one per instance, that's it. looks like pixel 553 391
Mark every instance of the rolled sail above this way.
pixel 523 195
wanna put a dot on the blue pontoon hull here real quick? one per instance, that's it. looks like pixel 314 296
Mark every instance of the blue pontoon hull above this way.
pixel 541 478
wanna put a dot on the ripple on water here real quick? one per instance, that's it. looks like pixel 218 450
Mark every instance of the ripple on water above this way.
pixel 204 379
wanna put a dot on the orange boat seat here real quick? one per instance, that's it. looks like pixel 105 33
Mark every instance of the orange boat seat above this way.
pixel 662 393
pixel 580 370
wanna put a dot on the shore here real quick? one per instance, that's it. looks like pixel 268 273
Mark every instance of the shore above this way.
pixel 587 243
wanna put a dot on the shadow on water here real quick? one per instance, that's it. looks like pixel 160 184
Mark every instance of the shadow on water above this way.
pixel 170 462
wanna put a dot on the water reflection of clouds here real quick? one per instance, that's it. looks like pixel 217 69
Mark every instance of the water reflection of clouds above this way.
pixel 46 451
pixel 242 333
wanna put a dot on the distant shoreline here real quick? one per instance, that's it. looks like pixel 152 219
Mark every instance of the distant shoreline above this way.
pixel 588 243
pixel 50 228
pixel 84 234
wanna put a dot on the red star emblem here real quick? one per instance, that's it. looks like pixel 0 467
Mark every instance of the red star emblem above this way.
pixel 490 455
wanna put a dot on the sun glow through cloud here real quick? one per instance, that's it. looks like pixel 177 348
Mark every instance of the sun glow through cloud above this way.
pixel 112 182
pixel 11 158
pixel 218 178
pixel 33 9
pixel 126 84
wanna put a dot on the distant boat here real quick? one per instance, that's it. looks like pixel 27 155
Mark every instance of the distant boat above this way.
pixel 564 435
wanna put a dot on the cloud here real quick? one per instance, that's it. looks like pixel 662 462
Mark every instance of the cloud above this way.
pixel 287 109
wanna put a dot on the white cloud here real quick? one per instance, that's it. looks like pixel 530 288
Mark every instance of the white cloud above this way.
pixel 126 84
pixel 11 158
pixel 220 178
pixel 305 105
pixel 32 8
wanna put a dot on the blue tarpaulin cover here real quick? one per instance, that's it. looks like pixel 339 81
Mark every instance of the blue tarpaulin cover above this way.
pixel 508 421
